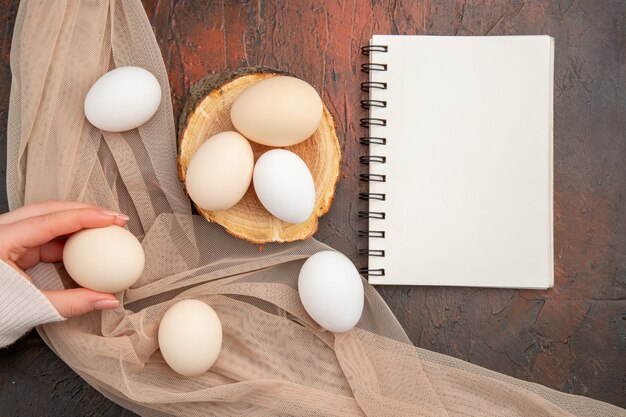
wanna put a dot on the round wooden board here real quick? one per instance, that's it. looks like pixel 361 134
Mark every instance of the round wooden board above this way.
pixel 208 113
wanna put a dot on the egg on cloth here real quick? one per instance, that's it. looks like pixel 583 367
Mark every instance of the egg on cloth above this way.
pixel 123 99
pixel 278 111
pixel 331 291
pixel 284 185
pixel 190 337
pixel 107 259
pixel 220 171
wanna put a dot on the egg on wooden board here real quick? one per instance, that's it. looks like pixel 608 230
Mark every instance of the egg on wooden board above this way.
pixel 123 99
pixel 107 259
pixel 220 171
pixel 278 111
pixel 190 337
pixel 331 291
pixel 284 185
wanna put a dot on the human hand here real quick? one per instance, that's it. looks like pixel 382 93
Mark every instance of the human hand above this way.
pixel 36 233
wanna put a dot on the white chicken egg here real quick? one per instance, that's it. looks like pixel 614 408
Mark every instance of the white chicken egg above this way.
pixel 220 171
pixel 278 111
pixel 190 337
pixel 108 259
pixel 331 291
pixel 123 99
pixel 284 185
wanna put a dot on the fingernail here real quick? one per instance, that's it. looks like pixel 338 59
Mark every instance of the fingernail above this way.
pixel 106 304
pixel 123 216
pixel 110 213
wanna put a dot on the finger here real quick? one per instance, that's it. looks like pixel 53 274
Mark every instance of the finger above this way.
pixel 36 231
pixel 78 301
pixel 28 259
pixel 39 209
pixel 51 251
pixel 48 252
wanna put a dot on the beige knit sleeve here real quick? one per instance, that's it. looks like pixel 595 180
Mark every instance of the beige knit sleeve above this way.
pixel 22 306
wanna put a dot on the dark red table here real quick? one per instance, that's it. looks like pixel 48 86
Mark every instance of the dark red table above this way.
pixel 572 337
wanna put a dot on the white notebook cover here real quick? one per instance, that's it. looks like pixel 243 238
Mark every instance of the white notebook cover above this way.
pixel 468 191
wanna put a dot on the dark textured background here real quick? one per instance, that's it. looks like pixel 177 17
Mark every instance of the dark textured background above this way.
pixel 572 337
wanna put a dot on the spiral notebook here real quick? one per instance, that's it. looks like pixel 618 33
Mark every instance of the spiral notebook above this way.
pixel 459 166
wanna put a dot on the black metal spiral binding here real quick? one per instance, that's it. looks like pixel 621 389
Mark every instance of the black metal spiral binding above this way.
pixel 373 177
pixel 372 252
pixel 367 122
pixel 372 214
pixel 367 159
pixel 369 85
pixel 370 140
pixel 372 196
pixel 372 121
pixel 368 104
pixel 372 233
pixel 379 272
pixel 373 66
pixel 365 50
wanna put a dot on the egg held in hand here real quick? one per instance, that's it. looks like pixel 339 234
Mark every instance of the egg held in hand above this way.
pixel 284 185
pixel 331 291
pixel 278 111
pixel 190 337
pixel 107 259
pixel 220 171
pixel 123 99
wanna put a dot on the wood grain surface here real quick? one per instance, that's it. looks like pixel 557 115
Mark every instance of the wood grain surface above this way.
pixel 572 337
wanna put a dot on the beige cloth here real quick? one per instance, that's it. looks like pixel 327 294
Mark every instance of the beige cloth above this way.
pixel 275 360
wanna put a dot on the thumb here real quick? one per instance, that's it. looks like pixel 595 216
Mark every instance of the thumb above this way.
pixel 77 301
